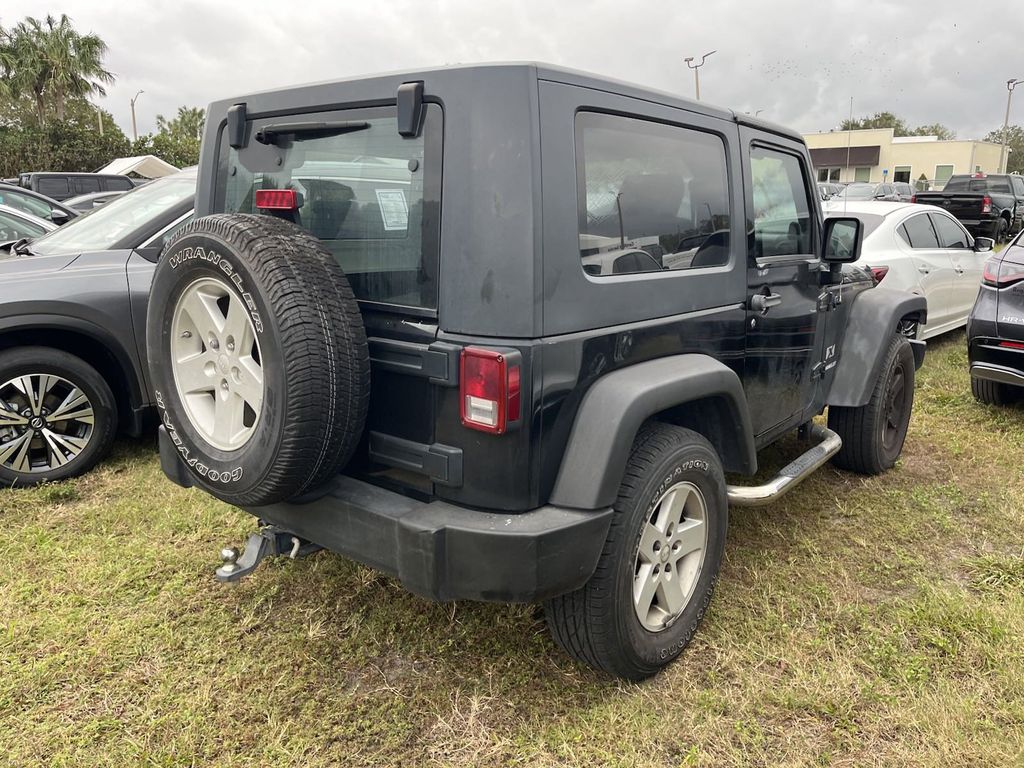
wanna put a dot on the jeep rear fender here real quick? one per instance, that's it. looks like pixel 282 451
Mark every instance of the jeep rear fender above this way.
pixel 873 318
pixel 617 405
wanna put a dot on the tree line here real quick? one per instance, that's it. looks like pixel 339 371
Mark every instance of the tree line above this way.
pixel 48 72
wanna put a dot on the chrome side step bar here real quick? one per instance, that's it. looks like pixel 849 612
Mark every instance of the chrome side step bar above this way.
pixel 791 475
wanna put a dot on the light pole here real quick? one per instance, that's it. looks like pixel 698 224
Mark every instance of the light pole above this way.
pixel 695 67
pixel 1011 84
pixel 135 133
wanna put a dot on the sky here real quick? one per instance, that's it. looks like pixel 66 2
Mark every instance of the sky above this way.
pixel 798 62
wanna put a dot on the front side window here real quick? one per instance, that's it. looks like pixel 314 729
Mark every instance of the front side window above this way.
pixel 55 187
pixel 782 209
pixel 370 195
pixel 651 197
pixel 25 203
pixel 950 234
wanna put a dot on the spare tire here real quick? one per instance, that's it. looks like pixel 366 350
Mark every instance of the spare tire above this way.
pixel 257 357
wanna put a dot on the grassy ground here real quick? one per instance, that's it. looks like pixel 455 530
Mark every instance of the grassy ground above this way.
pixel 860 622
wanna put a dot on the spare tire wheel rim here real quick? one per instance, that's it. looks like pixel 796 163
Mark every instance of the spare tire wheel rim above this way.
pixel 217 363
pixel 670 556
pixel 46 421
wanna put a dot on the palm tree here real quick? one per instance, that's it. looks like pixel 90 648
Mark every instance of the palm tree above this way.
pixel 51 62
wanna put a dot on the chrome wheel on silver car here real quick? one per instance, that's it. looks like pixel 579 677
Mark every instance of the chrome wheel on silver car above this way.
pixel 46 421
pixel 670 556
pixel 216 363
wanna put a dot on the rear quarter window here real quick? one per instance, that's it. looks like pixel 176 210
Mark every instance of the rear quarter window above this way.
pixel 55 187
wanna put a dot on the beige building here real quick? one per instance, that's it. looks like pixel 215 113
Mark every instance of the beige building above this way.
pixel 876 155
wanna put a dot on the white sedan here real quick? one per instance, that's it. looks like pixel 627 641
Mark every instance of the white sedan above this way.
pixel 922 249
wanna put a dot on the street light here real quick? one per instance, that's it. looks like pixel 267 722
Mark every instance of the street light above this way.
pixel 1010 85
pixel 135 133
pixel 695 67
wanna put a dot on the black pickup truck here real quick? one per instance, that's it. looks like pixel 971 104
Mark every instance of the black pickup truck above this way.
pixel 987 204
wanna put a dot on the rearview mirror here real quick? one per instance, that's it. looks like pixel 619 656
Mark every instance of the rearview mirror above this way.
pixel 984 244
pixel 59 217
pixel 842 240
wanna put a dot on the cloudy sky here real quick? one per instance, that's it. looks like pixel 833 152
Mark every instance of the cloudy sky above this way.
pixel 800 62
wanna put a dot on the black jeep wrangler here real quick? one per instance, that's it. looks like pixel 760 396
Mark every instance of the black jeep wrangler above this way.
pixel 500 331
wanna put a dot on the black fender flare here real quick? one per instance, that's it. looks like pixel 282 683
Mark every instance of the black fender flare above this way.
pixel 872 320
pixel 617 405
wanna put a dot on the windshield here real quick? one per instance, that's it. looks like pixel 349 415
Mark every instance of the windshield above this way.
pixel 102 228
pixel 857 192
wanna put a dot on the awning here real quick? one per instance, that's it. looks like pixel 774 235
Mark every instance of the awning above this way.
pixel 832 157
pixel 147 166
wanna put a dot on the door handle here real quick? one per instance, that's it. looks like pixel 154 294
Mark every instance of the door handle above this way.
pixel 923 270
pixel 958 269
pixel 762 302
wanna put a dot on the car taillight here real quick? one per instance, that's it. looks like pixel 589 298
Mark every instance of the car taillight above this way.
pixel 277 199
pixel 1001 273
pixel 913 198
pixel 986 204
pixel 878 273
pixel 489 390
pixel 1011 344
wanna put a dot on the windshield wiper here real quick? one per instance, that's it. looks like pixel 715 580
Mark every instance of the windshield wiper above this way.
pixel 272 133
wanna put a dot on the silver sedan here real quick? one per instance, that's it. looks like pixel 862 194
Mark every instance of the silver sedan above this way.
pixel 922 249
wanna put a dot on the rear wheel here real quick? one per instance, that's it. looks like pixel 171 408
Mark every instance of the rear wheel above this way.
pixel 992 392
pixel 873 434
pixel 660 562
pixel 57 416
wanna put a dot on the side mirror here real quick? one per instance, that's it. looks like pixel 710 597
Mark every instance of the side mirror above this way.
pixel 984 244
pixel 59 217
pixel 842 240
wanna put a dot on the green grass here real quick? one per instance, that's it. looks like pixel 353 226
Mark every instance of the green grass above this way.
pixel 860 621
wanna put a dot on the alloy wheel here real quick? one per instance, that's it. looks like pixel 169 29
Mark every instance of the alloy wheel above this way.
pixel 216 363
pixel 46 421
pixel 670 556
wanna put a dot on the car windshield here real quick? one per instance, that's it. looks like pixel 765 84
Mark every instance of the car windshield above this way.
pixel 857 192
pixel 102 228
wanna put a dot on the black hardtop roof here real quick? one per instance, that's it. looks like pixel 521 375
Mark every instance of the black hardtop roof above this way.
pixel 538 71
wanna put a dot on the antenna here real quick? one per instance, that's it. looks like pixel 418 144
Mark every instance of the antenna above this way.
pixel 849 137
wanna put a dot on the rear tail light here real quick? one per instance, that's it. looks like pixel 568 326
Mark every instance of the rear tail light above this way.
pixel 489 390
pixel 878 273
pixel 1011 344
pixel 986 204
pixel 277 199
pixel 1001 273
pixel 913 198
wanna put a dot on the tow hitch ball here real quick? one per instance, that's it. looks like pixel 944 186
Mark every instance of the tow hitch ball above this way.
pixel 268 541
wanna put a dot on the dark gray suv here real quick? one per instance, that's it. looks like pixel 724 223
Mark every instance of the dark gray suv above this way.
pixel 72 315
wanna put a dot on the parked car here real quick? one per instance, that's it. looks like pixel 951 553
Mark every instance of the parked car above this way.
pixel 995 331
pixel 987 204
pixel 858 190
pixel 84 203
pixel 27 201
pixel 61 186
pixel 530 431
pixel 828 189
pixel 72 314
pixel 17 225
pixel 925 251
pixel 904 191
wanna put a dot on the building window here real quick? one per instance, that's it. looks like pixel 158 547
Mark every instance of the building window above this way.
pixel 901 173
pixel 862 174
pixel 828 174
pixel 942 174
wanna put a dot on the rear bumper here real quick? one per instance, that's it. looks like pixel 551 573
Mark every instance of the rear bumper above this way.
pixel 994 363
pixel 439 550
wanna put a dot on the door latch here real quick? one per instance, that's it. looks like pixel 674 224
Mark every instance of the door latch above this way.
pixel 765 300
